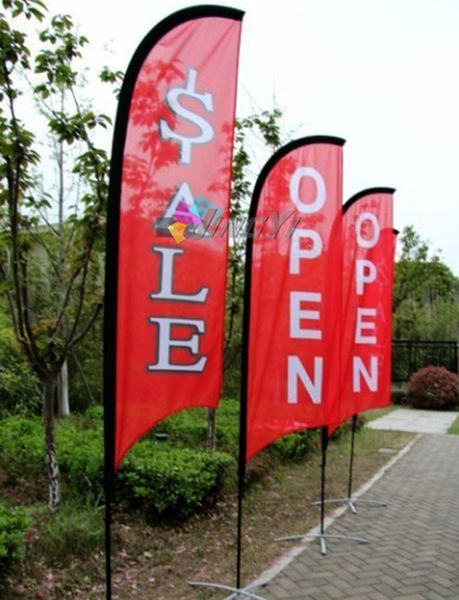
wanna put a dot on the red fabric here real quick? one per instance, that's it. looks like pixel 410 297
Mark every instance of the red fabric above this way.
pixel 275 331
pixel 367 305
pixel 199 56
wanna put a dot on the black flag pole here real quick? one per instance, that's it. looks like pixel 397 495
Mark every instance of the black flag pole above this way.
pixel 321 535
pixel 350 499
pixel 245 379
pixel 110 312
pixel 239 590
pixel 110 385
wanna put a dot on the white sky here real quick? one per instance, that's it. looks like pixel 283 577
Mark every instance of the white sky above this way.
pixel 383 74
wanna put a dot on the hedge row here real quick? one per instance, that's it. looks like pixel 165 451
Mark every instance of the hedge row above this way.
pixel 155 476
pixel 188 429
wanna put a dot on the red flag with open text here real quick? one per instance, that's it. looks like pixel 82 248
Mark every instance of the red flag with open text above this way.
pixel 368 268
pixel 171 172
pixel 295 291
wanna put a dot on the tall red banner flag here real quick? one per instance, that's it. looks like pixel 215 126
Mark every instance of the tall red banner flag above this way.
pixel 295 291
pixel 368 268
pixel 171 171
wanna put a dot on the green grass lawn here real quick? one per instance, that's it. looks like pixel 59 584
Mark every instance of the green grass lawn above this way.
pixel 371 415
pixel 454 429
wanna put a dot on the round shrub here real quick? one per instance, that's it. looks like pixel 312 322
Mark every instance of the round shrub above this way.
pixel 174 482
pixel 435 388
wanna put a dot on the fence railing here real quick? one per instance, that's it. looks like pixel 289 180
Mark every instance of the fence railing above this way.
pixel 408 356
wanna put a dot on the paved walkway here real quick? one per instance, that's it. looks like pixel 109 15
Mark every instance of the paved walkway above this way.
pixel 414 550
pixel 416 421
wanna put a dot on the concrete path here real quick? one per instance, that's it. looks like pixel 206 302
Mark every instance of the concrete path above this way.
pixel 416 421
pixel 414 549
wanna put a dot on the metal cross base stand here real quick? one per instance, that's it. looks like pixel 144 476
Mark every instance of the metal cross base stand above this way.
pixel 235 592
pixel 351 502
pixel 322 537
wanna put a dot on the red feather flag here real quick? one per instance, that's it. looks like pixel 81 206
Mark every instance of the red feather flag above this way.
pixel 171 171
pixel 294 289
pixel 368 270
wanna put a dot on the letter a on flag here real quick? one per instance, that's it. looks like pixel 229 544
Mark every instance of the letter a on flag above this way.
pixel 170 180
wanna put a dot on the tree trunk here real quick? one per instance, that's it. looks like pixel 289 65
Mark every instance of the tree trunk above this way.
pixel 48 421
pixel 211 429
pixel 63 405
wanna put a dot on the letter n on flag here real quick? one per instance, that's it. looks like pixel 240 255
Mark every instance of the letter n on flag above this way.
pixel 295 291
pixel 368 272
pixel 170 179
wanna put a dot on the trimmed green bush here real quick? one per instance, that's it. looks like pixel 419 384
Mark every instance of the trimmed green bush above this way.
pixel 22 448
pixel 80 457
pixel 228 425
pixel 79 452
pixel 95 415
pixel 154 475
pixel 188 428
pixel 172 482
pixel 296 445
pixel 435 388
pixel 14 523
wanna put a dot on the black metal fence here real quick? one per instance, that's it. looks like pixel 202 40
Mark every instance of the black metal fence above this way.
pixel 409 356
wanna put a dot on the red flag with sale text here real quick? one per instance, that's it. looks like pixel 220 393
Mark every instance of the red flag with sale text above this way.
pixel 368 271
pixel 295 291
pixel 170 178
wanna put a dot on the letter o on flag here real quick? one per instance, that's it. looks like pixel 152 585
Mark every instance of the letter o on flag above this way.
pixel 295 183
pixel 362 242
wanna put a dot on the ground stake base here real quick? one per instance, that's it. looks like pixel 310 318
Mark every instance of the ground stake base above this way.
pixel 351 502
pixel 322 537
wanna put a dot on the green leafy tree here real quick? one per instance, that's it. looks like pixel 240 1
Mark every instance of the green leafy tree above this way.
pixel 49 274
pixel 426 292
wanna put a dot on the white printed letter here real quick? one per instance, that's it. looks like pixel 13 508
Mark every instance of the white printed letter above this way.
pixel 166 278
pixel 295 371
pixel 295 183
pixel 359 371
pixel 165 343
pixel 360 337
pixel 365 272
pixel 297 314
pixel 296 253
pixel 361 241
